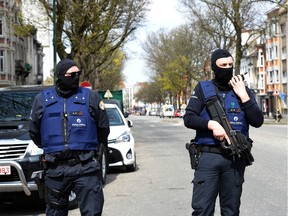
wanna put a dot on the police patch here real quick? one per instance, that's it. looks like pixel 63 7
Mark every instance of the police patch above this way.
pixel 101 105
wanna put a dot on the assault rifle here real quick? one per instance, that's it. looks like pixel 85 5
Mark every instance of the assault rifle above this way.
pixel 240 146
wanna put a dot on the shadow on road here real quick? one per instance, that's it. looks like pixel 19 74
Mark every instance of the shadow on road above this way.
pixel 114 172
pixel 24 207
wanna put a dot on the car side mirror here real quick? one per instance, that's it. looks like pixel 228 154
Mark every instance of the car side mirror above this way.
pixel 126 114
pixel 130 123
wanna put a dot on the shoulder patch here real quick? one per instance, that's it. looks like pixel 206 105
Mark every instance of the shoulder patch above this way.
pixel 102 105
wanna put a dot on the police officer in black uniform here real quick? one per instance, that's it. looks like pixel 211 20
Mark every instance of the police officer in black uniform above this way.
pixel 68 122
pixel 218 172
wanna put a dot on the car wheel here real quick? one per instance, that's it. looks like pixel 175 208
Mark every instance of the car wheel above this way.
pixel 133 167
pixel 103 161
pixel 73 202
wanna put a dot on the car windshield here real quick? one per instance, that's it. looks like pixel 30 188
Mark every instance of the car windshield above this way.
pixel 16 105
pixel 114 117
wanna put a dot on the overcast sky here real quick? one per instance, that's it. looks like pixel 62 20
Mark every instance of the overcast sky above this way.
pixel 163 14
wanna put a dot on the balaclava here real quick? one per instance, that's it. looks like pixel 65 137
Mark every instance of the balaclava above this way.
pixel 66 85
pixel 222 75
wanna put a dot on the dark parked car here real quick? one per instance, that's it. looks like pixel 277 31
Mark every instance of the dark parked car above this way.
pixel 21 172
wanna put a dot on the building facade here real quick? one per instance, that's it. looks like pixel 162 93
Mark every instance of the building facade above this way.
pixel 276 61
pixel 21 58
pixel 265 62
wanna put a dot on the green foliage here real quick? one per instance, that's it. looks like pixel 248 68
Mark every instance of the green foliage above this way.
pixel 150 93
pixel 111 76
pixel 94 30
pixel 177 57
pixel 24 30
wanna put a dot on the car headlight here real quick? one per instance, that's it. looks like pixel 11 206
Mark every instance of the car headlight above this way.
pixel 36 150
pixel 125 137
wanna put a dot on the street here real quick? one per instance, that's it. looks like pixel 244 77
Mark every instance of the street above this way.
pixel 162 183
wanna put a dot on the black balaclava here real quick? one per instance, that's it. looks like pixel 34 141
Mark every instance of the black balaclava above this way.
pixel 66 86
pixel 222 75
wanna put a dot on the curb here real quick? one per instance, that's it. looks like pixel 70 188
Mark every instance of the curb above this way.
pixel 273 122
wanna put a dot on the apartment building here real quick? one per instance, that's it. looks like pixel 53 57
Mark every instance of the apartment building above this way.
pixel 276 60
pixel 21 57
pixel 265 62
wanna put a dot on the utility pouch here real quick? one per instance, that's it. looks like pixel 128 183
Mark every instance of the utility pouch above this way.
pixel 193 153
pixel 245 145
pixel 247 152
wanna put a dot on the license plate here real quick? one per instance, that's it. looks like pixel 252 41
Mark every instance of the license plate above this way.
pixel 5 170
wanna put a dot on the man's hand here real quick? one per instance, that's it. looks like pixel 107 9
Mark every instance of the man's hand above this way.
pixel 239 88
pixel 218 131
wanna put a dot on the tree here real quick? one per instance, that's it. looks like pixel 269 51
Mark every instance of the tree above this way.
pixel 177 58
pixel 224 21
pixel 94 30
pixel 112 76
pixel 150 93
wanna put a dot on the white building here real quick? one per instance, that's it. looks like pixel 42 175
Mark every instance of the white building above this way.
pixel 34 13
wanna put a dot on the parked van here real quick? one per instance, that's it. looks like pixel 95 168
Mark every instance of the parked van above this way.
pixel 167 111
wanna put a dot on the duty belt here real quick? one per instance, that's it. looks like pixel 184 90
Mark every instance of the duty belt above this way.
pixel 70 162
pixel 212 149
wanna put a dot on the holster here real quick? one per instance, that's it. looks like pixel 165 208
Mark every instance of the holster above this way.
pixel 193 153
pixel 245 145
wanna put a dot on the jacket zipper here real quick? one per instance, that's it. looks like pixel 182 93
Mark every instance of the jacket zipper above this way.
pixel 65 125
pixel 223 101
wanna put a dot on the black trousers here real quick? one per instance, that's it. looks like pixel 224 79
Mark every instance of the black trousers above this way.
pixel 87 187
pixel 217 174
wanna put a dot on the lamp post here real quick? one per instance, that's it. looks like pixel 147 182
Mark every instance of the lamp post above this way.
pixel 54 39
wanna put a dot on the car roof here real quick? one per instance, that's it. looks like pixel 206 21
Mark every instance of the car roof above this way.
pixel 110 105
pixel 24 88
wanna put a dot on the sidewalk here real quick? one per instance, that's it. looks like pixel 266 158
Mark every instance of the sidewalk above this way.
pixel 270 120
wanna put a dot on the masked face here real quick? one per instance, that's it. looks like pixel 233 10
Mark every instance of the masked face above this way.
pixel 66 79
pixel 222 65
pixel 223 70
pixel 69 80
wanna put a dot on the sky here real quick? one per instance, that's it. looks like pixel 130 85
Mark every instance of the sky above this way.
pixel 162 14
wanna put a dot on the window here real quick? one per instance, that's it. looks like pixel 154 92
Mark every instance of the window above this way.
pixel 283 52
pixel 261 81
pixel 271 76
pixel 16 105
pixel 114 117
pixel 275 28
pixel 261 59
pixel 277 76
pixel 270 54
pixel 1 61
pixel 276 52
pixel 283 29
pixel 284 80
pixel 1 27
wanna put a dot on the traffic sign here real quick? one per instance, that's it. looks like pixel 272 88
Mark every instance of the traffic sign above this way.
pixel 108 94
pixel 86 84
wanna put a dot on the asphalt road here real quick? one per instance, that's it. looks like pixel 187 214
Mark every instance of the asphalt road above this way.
pixel 162 183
